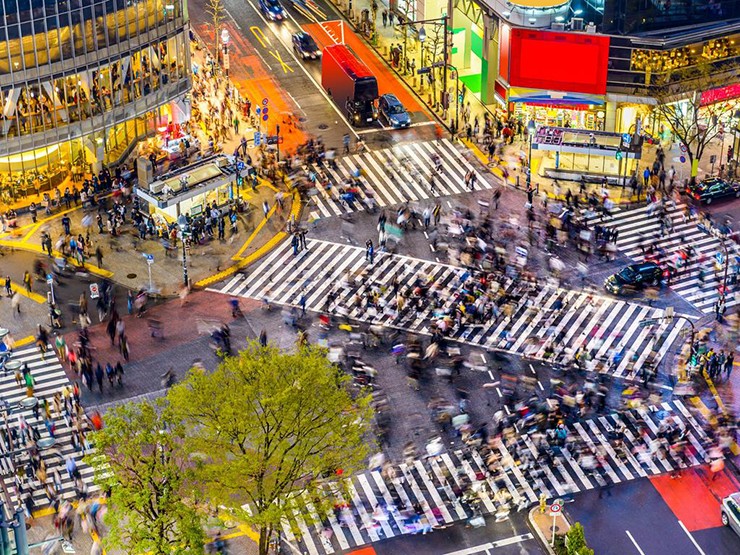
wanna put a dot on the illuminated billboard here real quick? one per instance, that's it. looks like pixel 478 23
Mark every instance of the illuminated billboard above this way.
pixel 569 62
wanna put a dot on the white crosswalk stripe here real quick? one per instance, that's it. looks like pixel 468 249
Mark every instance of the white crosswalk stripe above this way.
pixel 638 229
pixel 377 504
pixel 395 175
pixel 49 378
pixel 547 322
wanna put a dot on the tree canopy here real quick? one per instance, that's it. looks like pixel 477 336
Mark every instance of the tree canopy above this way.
pixel 139 459
pixel 266 426
pixel 678 96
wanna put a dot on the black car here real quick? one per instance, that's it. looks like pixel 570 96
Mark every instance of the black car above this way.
pixel 635 276
pixel 713 188
pixel 305 46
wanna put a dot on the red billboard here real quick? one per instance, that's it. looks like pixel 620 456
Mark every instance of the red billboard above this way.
pixel 570 62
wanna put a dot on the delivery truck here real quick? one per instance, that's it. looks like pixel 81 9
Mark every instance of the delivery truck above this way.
pixel 350 84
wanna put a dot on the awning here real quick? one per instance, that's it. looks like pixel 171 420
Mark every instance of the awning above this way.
pixel 554 98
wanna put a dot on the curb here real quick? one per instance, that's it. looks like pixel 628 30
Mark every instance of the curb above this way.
pixel 259 253
pixel 538 532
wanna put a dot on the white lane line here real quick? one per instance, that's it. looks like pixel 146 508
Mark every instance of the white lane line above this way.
pixel 696 545
pixel 639 549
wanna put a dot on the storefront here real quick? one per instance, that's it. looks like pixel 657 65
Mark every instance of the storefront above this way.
pixel 549 108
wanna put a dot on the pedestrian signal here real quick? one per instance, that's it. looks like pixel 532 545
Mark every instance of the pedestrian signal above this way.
pixel 618 155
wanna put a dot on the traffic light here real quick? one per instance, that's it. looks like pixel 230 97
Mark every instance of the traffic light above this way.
pixel 669 313
pixel 618 155
pixel 730 152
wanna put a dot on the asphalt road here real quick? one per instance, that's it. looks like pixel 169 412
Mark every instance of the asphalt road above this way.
pixel 637 521
pixel 511 537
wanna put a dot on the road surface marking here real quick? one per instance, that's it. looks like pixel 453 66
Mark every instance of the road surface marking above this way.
pixel 639 549
pixel 486 546
pixel 696 545
pixel 232 19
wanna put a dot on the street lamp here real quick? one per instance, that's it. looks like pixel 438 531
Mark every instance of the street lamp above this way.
pixel 531 129
pixel 182 223
pixel 422 39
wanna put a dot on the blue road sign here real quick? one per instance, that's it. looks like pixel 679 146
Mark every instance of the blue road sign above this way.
pixel 265 117
pixel 258 111
pixel 257 137
pixel 626 138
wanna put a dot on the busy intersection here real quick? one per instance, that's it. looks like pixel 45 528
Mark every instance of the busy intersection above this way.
pixel 511 300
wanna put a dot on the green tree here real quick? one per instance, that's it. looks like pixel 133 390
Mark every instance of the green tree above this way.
pixel 266 427
pixel 137 458
pixel 678 96
pixel 575 540
pixel 215 10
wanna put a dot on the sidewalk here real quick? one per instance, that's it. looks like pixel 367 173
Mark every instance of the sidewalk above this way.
pixel 123 259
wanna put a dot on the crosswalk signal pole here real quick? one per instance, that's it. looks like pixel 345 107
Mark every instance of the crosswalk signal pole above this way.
pixel 4 539
pixel 19 532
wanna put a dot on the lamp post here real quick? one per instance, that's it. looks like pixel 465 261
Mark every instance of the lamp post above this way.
pixel 457 98
pixel 422 39
pixel 182 223
pixel 531 129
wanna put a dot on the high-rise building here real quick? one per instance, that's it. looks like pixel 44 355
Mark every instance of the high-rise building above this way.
pixel 81 81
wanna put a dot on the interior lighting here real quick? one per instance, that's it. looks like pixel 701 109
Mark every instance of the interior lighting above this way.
pixel 559 18
pixel 578 12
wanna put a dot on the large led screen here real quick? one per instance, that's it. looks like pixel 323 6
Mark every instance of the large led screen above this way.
pixel 569 62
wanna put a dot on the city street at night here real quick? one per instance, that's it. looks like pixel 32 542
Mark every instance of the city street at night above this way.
pixel 360 277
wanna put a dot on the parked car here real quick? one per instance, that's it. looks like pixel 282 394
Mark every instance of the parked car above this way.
pixel 272 9
pixel 713 188
pixel 730 512
pixel 393 112
pixel 305 46
pixel 635 276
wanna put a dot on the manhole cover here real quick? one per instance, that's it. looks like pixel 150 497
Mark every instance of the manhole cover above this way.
pixel 131 276
pixel 323 126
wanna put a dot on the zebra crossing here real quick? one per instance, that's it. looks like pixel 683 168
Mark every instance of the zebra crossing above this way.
pixel 50 378
pixel 395 175
pixel 638 229
pixel 372 502
pixel 541 323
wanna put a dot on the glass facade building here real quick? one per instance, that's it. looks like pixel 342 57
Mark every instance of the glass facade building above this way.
pixel 81 81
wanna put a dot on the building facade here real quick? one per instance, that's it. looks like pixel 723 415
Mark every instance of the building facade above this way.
pixel 81 81
pixel 593 64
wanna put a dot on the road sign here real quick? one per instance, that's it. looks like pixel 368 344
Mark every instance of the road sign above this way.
pixel 555 509
pixel 683 159
pixel 423 70
pixel 683 147
pixel 720 256
pixel 626 138
pixel 49 278
pixel 264 101
pixel 258 111
pixel 149 258
pixel 257 136
pixel 265 117
pixel 94 291
pixel 264 110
